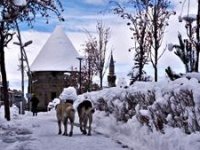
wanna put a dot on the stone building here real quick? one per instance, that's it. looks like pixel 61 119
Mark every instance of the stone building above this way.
pixel 111 75
pixel 57 57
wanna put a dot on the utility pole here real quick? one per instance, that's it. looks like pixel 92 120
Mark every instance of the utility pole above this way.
pixel 80 82
pixel 23 57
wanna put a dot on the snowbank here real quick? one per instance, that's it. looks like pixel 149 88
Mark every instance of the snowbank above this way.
pixel 147 115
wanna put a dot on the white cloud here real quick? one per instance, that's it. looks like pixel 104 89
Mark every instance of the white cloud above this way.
pixel 95 2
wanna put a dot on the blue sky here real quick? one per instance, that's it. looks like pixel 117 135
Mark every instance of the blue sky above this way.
pixel 84 14
pixel 75 12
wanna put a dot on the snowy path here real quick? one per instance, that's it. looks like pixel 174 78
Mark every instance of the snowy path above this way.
pixel 47 131
pixel 44 136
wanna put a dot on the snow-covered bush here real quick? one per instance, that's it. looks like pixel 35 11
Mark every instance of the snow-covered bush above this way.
pixel 156 105
pixel 184 113
pixel 101 105
pixel 173 108
pixel 124 106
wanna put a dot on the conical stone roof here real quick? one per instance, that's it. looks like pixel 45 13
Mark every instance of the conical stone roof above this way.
pixel 58 54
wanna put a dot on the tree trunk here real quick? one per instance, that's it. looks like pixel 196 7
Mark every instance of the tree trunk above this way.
pixel 142 53
pixel 141 63
pixel 3 73
pixel 89 75
pixel 156 42
pixel 101 79
pixel 198 38
pixel 156 73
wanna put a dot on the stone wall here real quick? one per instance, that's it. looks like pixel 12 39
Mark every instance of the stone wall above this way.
pixel 46 86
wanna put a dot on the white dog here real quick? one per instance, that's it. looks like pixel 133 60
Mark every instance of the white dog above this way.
pixel 65 112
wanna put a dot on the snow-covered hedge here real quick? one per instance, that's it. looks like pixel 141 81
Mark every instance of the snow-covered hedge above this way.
pixel 156 105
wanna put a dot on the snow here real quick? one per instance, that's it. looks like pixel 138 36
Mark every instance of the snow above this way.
pixel 58 54
pixel 193 75
pixel 170 46
pixel 121 82
pixel 53 104
pixel 140 138
pixel 144 112
pixel 31 133
pixel 68 93
pixel 39 133
pixel 20 2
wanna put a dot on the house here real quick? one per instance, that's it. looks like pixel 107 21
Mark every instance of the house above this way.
pixel 57 58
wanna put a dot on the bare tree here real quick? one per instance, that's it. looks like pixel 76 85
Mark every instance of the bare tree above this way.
pixel 13 11
pixel 89 47
pixel 95 49
pixel 137 23
pixel 156 15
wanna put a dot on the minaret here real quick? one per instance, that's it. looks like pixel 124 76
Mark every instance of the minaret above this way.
pixel 111 74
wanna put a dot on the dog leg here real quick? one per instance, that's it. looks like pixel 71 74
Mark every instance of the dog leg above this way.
pixel 72 118
pixel 90 123
pixel 72 125
pixel 81 124
pixel 65 127
pixel 59 127
pixel 85 125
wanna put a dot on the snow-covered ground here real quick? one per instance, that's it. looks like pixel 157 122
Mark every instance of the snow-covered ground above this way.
pixel 25 132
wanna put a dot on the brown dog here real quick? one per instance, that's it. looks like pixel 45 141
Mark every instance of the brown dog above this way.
pixel 85 113
pixel 65 112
